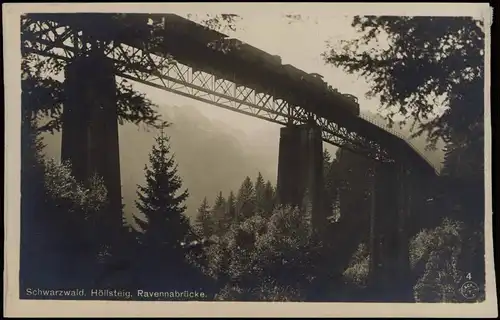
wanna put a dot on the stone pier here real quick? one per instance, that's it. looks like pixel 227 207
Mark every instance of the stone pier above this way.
pixel 90 127
pixel 300 170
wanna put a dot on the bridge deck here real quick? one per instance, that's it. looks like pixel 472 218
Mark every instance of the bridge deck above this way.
pixel 214 53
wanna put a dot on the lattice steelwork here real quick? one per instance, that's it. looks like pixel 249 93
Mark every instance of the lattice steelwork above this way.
pixel 51 40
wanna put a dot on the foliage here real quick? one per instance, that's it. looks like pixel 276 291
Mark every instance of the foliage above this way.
pixel 219 214
pixel 61 220
pixel 204 223
pixel 465 162
pixel 219 22
pixel 272 254
pixel 431 70
pixel 435 261
pixel 41 94
pixel 264 196
pixel 61 191
pixel 230 213
pixel 259 250
pixel 77 209
pixel 44 95
pixel 425 60
pixel 259 192
pixel 261 255
pixel 162 251
pixel 161 200
pixel 44 92
pixel 434 255
pixel 357 271
pixel 268 201
pixel 231 204
pixel 245 200
pixel 266 258
pixel 61 185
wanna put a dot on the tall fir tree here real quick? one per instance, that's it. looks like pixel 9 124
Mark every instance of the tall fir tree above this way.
pixel 245 202
pixel 161 200
pixel 260 188
pixel 230 213
pixel 268 199
pixel 204 223
pixel 218 214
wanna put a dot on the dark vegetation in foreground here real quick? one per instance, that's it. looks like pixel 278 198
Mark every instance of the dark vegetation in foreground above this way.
pixel 243 246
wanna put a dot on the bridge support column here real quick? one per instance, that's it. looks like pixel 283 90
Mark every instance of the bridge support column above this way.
pixel 90 128
pixel 389 272
pixel 300 171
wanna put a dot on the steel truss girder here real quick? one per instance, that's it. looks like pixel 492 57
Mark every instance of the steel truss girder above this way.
pixel 48 39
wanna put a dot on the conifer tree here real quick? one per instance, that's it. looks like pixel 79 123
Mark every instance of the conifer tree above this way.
pixel 268 199
pixel 245 202
pixel 218 213
pixel 204 222
pixel 230 213
pixel 161 200
pixel 260 187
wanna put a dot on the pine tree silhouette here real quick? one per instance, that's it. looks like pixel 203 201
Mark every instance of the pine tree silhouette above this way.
pixel 260 188
pixel 161 200
pixel 218 213
pixel 204 223
pixel 245 201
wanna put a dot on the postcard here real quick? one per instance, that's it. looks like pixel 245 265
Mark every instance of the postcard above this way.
pixel 248 159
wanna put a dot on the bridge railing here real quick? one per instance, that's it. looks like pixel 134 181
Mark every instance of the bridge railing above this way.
pixel 385 127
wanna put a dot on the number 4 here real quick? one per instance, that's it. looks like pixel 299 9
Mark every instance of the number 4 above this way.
pixel 468 276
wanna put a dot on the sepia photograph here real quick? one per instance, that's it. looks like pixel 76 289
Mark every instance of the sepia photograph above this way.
pixel 249 153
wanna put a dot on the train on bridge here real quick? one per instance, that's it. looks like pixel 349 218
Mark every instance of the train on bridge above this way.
pixel 234 60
